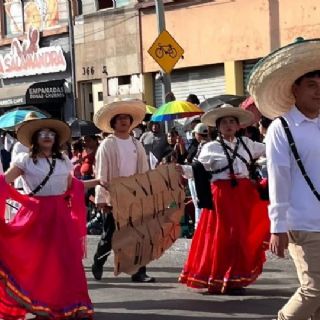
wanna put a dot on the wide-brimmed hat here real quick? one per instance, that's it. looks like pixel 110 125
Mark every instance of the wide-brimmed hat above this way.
pixel 28 128
pixel 135 108
pixel 271 80
pixel 227 110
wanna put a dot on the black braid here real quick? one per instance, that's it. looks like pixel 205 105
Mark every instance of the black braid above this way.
pixel 233 180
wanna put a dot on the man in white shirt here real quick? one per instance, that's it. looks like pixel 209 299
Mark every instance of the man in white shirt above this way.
pixel 291 88
pixel 119 155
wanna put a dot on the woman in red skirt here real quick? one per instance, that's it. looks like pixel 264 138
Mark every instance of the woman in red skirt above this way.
pixel 41 249
pixel 228 248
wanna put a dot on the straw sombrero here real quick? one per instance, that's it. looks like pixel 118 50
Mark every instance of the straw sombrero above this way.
pixel 135 108
pixel 227 110
pixel 28 128
pixel 271 80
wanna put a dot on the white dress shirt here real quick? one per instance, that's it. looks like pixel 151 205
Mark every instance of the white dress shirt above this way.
pixel 293 206
pixel 213 158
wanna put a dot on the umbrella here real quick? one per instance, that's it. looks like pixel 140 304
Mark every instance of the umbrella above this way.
pixel 186 122
pixel 176 110
pixel 149 112
pixel 80 128
pixel 150 109
pixel 10 119
pixel 250 105
pixel 213 102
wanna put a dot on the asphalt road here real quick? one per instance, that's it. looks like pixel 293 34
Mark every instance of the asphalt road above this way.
pixel 117 298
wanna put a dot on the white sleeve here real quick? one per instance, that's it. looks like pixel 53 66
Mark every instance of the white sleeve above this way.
pixel 257 149
pixel 279 176
pixel 20 161
pixel 101 194
pixel 68 163
pixel 206 156
pixel 1 167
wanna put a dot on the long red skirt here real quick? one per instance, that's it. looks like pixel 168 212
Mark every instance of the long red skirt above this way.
pixel 41 269
pixel 228 247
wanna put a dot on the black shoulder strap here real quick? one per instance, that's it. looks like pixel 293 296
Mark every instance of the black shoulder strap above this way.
pixel 297 157
pixel 234 154
pixel 45 180
pixel 247 149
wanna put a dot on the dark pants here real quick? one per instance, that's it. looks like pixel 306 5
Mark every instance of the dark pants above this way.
pixel 105 244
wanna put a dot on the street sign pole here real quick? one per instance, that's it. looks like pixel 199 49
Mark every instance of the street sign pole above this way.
pixel 166 82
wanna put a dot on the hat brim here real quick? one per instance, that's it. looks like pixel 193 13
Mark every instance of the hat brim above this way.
pixel 30 127
pixel 135 108
pixel 245 117
pixel 271 80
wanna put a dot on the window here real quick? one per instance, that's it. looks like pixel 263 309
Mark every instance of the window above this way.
pixel 13 13
pixel 124 80
pixel 104 4
pixel 100 96
pixel 19 15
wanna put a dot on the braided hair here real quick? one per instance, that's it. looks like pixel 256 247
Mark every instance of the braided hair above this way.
pixel 233 180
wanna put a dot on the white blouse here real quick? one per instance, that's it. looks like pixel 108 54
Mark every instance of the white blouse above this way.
pixel 213 158
pixel 34 173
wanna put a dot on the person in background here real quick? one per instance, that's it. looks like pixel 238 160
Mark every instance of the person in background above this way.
pixel 193 99
pixel 138 131
pixel 252 133
pixel 201 132
pixel 264 124
pixel 76 149
pixel 176 150
pixel 90 146
pixel 5 156
pixel 154 141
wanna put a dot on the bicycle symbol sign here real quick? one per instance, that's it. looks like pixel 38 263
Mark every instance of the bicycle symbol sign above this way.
pixel 166 51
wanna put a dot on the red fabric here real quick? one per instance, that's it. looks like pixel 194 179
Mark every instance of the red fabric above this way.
pixel 228 247
pixel 250 105
pixel 87 163
pixel 41 269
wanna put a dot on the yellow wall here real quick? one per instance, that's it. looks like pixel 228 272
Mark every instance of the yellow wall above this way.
pixel 233 71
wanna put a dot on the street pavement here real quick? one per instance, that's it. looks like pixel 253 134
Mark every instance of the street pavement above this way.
pixel 117 298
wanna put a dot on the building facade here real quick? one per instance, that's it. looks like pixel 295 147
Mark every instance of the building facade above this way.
pixel 222 40
pixel 108 54
pixel 35 65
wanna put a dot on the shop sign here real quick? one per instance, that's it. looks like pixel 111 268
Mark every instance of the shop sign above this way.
pixel 27 58
pixel 14 101
pixel 44 92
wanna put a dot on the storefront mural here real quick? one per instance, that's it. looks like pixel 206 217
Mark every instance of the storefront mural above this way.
pixel 27 58
pixel 40 14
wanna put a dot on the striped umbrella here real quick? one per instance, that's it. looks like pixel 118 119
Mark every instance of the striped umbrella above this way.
pixel 176 110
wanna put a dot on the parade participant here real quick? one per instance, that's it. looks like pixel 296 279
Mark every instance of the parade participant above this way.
pixel 227 250
pixel 291 89
pixel 42 248
pixel 119 155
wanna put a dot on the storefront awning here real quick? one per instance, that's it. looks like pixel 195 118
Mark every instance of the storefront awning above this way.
pixel 13 95
pixel 34 93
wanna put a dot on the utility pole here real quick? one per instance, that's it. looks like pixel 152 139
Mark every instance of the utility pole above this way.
pixel 166 80
pixel 72 60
